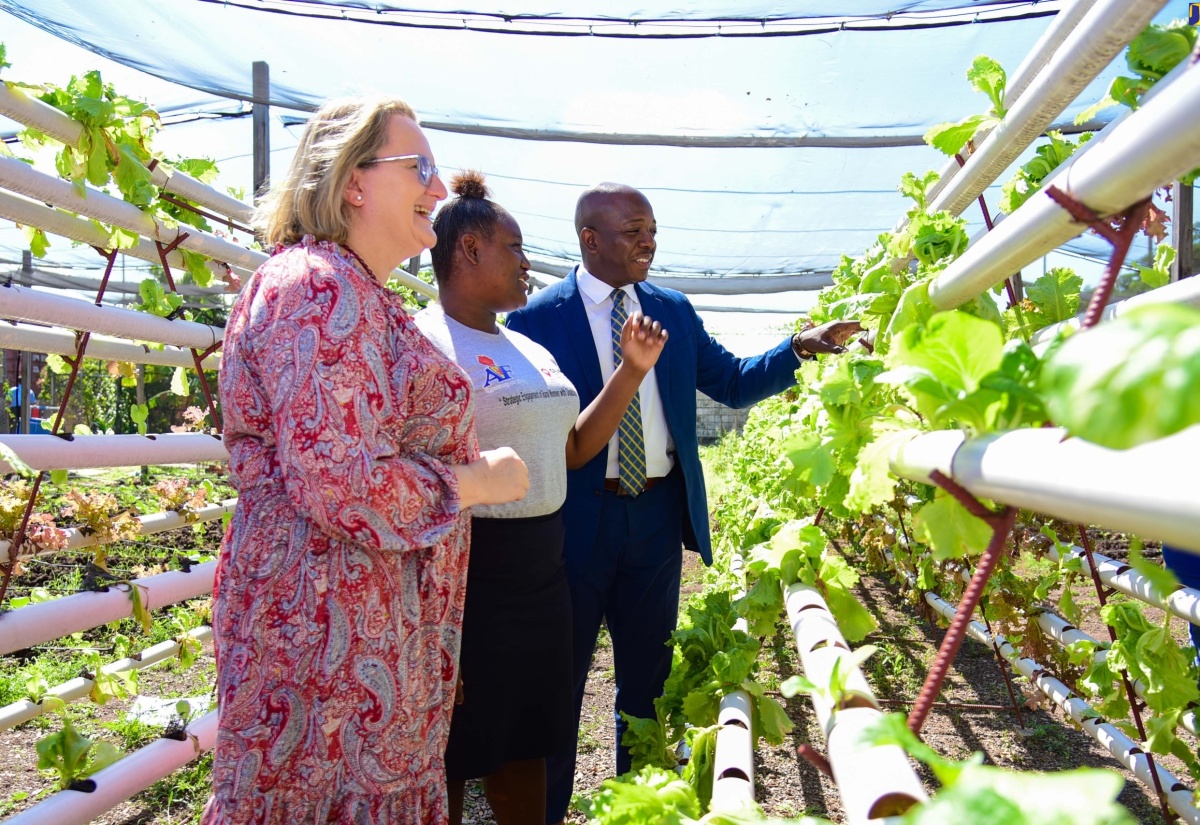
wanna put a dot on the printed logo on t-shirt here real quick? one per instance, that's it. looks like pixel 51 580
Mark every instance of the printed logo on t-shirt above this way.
pixel 495 373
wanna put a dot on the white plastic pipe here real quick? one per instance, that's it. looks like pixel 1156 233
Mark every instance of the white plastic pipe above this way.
pixel 1066 634
pixel 1146 490
pixel 62 342
pixel 874 780
pixel 20 107
pixel 20 712
pixel 14 103
pixel 49 452
pixel 28 213
pixel 36 624
pixel 121 780
pixel 1082 55
pixel 1185 292
pixel 733 755
pixel 733 787
pixel 1152 147
pixel 1018 81
pixel 150 524
pixel 25 180
pixel 1184 602
pixel 1122 748
pixel 20 303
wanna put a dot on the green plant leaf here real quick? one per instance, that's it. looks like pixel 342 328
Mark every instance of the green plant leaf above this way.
pixel 179 382
pixel 950 138
pixel 1130 380
pixel 949 529
pixel 1056 294
pixel 989 77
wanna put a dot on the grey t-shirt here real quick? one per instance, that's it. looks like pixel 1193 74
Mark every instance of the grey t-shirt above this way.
pixel 522 401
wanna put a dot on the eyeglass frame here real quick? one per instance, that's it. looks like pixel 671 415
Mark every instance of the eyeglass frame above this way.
pixel 426 171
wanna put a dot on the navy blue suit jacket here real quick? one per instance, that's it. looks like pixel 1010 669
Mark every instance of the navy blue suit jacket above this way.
pixel 691 360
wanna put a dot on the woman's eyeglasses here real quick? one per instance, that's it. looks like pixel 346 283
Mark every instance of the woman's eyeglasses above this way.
pixel 425 168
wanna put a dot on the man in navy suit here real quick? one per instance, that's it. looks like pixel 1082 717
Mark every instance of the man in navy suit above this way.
pixel 631 509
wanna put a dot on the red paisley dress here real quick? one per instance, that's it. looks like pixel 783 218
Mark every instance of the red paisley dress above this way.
pixel 340 584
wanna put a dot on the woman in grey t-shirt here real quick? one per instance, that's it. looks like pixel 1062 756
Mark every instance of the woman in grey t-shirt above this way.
pixel 515 665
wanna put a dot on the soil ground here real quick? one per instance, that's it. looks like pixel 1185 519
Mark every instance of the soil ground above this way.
pixel 786 785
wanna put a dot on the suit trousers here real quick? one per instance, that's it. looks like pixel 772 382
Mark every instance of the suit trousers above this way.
pixel 627 576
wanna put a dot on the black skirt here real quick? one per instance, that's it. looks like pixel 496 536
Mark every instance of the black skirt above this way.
pixel 516 648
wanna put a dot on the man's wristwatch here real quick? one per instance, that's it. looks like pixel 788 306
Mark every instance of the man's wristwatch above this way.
pixel 801 352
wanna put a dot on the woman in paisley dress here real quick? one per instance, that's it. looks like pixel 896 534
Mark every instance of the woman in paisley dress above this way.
pixel 518 692
pixel 339 596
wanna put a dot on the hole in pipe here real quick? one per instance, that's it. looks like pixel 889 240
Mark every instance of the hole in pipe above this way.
pixel 734 773
pixel 891 804
pixel 735 723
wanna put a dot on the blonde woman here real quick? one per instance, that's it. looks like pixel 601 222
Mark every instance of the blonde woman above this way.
pixel 339 594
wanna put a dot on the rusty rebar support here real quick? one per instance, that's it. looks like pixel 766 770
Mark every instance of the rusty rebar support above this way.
pixel 1118 230
pixel 1130 694
pixel 815 758
pixel 1001 524
pixel 81 342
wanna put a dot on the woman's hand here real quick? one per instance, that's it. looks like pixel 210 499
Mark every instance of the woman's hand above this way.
pixel 497 477
pixel 642 341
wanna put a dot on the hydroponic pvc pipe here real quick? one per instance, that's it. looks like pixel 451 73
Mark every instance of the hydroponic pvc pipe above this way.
pixel 1122 748
pixel 20 303
pixel 28 213
pixel 14 103
pixel 733 785
pixel 62 342
pixel 1184 602
pixel 121 780
pixel 733 754
pixel 1150 148
pixel 1057 628
pixel 1186 292
pixel 150 524
pixel 36 624
pixel 1082 55
pixel 25 180
pixel 1146 490
pixel 49 452
pixel 20 712
pixel 1060 27
pixel 874 780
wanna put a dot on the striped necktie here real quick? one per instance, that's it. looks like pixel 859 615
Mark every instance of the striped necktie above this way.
pixel 631 445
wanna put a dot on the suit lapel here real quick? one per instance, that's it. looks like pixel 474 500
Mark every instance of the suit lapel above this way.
pixel 656 308
pixel 579 332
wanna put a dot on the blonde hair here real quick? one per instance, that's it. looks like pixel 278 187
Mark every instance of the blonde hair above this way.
pixel 339 137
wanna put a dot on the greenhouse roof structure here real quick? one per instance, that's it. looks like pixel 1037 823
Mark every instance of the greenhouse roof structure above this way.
pixel 769 136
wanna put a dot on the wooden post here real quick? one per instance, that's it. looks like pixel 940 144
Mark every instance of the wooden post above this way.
pixel 1183 214
pixel 261 114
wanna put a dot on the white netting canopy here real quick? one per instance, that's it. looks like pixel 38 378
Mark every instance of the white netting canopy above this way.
pixel 769 136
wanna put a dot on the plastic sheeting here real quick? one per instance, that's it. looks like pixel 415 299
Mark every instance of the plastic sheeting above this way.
pixel 720 210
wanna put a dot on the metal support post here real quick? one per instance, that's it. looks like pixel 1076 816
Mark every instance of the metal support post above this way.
pixel 261 114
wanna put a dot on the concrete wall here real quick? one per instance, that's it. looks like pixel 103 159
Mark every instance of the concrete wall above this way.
pixel 713 420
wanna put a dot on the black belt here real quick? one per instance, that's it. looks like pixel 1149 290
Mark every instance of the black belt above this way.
pixel 613 485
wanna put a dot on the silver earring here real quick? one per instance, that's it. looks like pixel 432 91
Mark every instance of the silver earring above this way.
pixel 358 198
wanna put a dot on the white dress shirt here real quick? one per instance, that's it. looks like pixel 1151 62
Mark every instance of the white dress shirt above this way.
pixel 597 303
